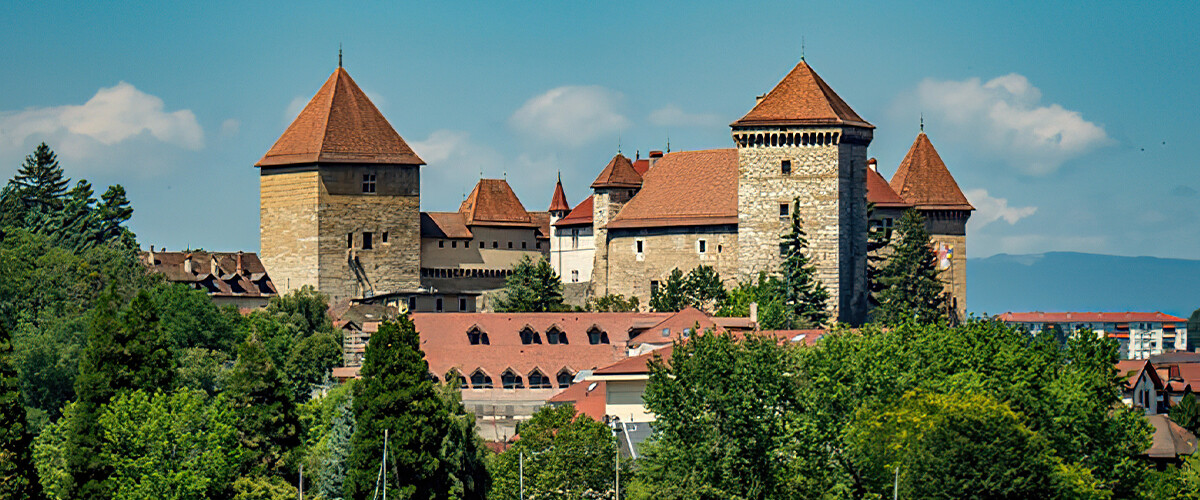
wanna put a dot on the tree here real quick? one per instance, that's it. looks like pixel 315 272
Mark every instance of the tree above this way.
pixel 565 456
pixel 397 395
pixel 191 320
pixel 265 416
pixel 700 288
pixel 174 445
pixel 40 182
pixel 722 412
pixel 328 423
pixel 531 287
pixel 671 296
pixel 612 303
pixel 768 293
pixel 878 240
pixel 912 290
pixel 18 476
pixel 805 295
pixel 1187 413
pixel 112 213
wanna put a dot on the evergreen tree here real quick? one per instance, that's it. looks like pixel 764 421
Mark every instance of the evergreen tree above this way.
pixel 75 225
pixel 531 287
pixel 912 290
pixel 805 295
pixel 18 476
pixel 1187 413
pixel 40 182
pixel 878 240
pixel 265 414
pixel 396 395
pixel 704 289
pixel 767 292
pixel 112 214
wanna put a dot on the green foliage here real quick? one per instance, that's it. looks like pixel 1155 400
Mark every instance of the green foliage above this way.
pixel 192 321
pixel 612 303
pixel 263 488
pixel 565 457
pixel 805 296
pixel 328 424
pixel 50 456
pixel 306 308
pixel 768 293
pixel 299 337
pixel 200 369
pixel 261 403
pixel 396 394
pixel 173 445
pixel 1187 413
pixel 878 240
pixel 723 414
pixel 700 288
pixel 112 213
pixel 532 287
pixel 18 476
pixel 911 288
pixel 1175 482
pixel 39 185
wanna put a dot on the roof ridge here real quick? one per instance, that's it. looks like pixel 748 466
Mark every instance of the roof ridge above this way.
pixel 333 93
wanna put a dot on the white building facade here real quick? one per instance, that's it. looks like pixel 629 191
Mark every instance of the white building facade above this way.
pixel 1139 334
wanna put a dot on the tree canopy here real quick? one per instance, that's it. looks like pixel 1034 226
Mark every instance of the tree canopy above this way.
pixel 911 287
pixel 566 456
pixel 531 287
pixel 701 288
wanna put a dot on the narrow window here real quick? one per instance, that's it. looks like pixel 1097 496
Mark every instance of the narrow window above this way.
pixel 784 210
pixel 510 245
pixel 653 287
pixel 511 380
pixel 383 237
pixel 575 276
pixel 349 240
pixel 495 244
pixel 564 379
pixel 718 248
pixel 481 244
pixel 702 246
pixel 528 336
pixel 368 242
pixel 368 184
pixel 441 243
pixel 480 380
pixel 597 336
pixel 783 250
pixel 524 245
pixel 538 245
pixel 556 336
pixel 785 166
pixel 640 246
pixel 438 305
pixel 574 238
pixel 412 304
pixel 453 244
pixel 462 303
pixel 476 336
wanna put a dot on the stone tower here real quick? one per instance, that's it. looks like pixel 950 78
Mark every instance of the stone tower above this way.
pixel 339 199
pixel 612 189
pixel 924 181
pixel 803 141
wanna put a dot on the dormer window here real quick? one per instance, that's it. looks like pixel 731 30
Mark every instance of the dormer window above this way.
pixel 477 336
pixel 480 380
pixel 556 336
pixel 564 379
pixel 511 380
pixel 539 380
pixel 454 375
pixel 597 336
pixel 529 336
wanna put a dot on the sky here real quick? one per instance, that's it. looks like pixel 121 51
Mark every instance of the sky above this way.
pixel 1069 127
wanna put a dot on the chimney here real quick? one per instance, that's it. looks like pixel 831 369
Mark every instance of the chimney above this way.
pixel 150 256
pixel 240 269
pixel 187 263
pixel 654 157
pixel 873 165
pixel 754 312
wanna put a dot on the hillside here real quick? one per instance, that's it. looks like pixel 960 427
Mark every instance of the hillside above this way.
pixel 1069 281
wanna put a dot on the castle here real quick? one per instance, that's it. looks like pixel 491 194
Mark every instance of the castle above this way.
pixel 340 197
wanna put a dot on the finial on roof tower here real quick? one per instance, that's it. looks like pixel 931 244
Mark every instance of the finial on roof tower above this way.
pixel 922 123
pixel 668 143
pixel 339 54
pixel 801 47
pixel 618 143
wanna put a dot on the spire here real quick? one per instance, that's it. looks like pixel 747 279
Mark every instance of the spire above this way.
pixel 558 201
pixel 340 54
pixel 924 181
pixel 802 47
pixel 802 98
pixel 922 123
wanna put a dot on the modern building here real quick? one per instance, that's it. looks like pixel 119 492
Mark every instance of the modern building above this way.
pixel 1139 334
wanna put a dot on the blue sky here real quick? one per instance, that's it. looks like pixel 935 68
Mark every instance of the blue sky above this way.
pixel 1071 127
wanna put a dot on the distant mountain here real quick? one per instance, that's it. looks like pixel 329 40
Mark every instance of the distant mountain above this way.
pixel 1069 281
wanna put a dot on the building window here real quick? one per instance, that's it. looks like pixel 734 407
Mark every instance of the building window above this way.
pixel 785 166
pixel 639 246
pixel 511 380
pixel 574 238
pixel 538 380
pixel 575 276
pixel 462 303
pixel 564 379
pixel 412 304
pixel 349 240
pixel 597 336
pixel 653 287
pixel 784 210
pixel 556 336
pixel 528 336
pixel 495 244
pixel 438 305
pixel 480 380
pixel 887 223
pixel 441 243
pixel 718 248
pixel 453 244
pixel 477 336
pixel 702 246
pixel 383 237
pixel 538 245
pixel 510 245
pixel 481 244
pixel 368 183
pixel 368 242
pixel 524 245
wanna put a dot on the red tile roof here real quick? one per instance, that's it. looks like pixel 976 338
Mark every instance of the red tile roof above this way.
pixel 881 194
pixel 444 225
pixel 340 125
pixel 1087 317
pixel 808 337
pixel 1171 440
pixel 1131 370
pixel 558 201
pixel 221 274
pixel 619 173
pixel 641 166
pixel 493 202
pixel 587 396
pixel 637 365
pixel 672 328
pixel 924 180
pixel 581 215
pixel 685 189
pixel 802 98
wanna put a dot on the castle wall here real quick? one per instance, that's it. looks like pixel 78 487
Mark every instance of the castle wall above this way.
pixel 665 249
pixel 502 248
pixel 288 226
pixel 606 203
pixel 949 228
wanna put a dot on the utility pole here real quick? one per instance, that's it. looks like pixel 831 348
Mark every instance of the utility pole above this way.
pixel 521 474
pixel 617 469
pixel 301 481
pixel 896 485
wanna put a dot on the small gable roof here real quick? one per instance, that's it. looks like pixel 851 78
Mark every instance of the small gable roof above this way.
pixel 340 125
pixel 493 202
pixel 881 194
pixel 687 188
pixel 802 98
pixel 618 173
pixel 581 215
pixel 671 329
pixel 924 180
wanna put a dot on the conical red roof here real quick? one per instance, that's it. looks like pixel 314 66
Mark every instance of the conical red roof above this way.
pixel 802 98
pixel 493 201
pixel 881 194
pixel 618 173
pixel 924 180
pixel 340 125
pixel 558 202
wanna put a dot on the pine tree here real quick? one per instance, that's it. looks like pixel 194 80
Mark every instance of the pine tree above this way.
pixel 397 395
pixel 912 290
pixel 266 414
pixel 805 295
pixel 40 182
pixel 531 287
pixel 112 213
pixel 878 240
pixel 18 476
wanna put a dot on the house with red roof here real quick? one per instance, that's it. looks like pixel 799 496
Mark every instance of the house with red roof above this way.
pixel 1140 335
pixel 230 278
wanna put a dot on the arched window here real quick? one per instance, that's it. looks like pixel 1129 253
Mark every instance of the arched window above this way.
pixel 529 336
pixel 597 336
pixel 511 380
pixel 480 380
pixel 539 380
pixel 453 375
pixel 477 336
pixel 564 379
pixel 556 336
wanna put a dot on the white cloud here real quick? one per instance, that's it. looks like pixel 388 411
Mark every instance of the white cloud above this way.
pixel 674 116
pixel 1005 117
pixel 989 209
pixel 571 115
pixel 114 115
pixel 230 127
pixel 455 164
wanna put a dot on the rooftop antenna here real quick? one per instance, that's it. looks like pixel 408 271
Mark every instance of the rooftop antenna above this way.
pixel 339 54
pixel 618 143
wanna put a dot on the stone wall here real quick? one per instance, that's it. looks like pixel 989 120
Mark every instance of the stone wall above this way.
pixel 288 226
pixel 949 227
pixel 663 250
pixel 606 203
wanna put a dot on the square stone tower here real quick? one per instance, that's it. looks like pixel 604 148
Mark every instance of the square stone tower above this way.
pixel 340 199
pixel 613 188
pixel 802 141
